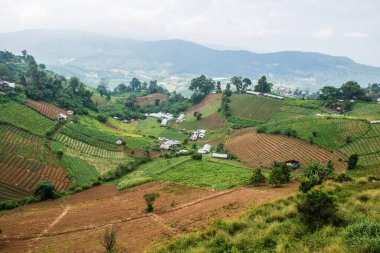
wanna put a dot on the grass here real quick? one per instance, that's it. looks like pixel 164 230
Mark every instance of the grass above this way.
pixel 79 170
pixel 312 104
pixel 370 111
pixel 331 132
pixel 23 117
pixel 254 107
pixel 207 174
pixel 276 227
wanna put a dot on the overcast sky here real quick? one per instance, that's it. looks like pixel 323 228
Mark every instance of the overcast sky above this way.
pixel 337 27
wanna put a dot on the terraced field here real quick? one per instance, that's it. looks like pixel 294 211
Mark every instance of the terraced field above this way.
pixel 369 111
pixel 86 148
pixel 26 160
pixel 23 117
pixel 331 132
pixel 150 99
pixel 254 107
pixel 49 110
pixel 263 149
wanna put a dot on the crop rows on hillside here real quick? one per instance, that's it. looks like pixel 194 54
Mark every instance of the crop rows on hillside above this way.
pixel 92 137
pixel 23 173
pixel 9 192
pixel 366 110
pixel 23 117
pixel 363 146
pixel 254 107
pixel 86 148
pixel 49 110
pixel 263 149
pixel 371 159
pixel 331 133
pixel 16 141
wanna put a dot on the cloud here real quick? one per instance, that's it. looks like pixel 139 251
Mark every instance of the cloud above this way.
pixel 354 34
pixel 324 33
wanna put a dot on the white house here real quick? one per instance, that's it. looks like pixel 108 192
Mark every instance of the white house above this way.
pixel 218 155
pixel 164 122
pixel 160 115
pixel 375 122
pixel 206 149
pixel 180 119
pixel 5 84
pixel 62 116
pixel 378 100
pixel 167 144
pixel 119 142
pixel 70 113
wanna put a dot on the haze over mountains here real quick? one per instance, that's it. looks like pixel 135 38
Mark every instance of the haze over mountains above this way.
pixel 92 57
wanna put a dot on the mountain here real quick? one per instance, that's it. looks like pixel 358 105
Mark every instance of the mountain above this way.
pixel 173 62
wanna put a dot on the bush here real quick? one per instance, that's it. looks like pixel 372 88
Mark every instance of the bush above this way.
pixel 261 129
pixel 316 208
pixel 258 178
pixel 363 236
pixel 45 190
pixel 342 177
pixel 279 175
pixel 320 171
pixel 149 199
pixel 352 161
pixel 308 183
pixel 101 118
pixel 196 156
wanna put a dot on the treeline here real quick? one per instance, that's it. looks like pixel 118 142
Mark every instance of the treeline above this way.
pixel 37 83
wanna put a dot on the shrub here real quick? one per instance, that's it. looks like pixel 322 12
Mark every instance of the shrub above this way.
pixel 101 118
pixel 279 175
pixel 45 190
pixel 196 156
pixel 363 236
pixel 308 183
pixel 342 177
pixel 352 161
pixel 108 240
pixel 149 199
pixel 258 178
pixel 320 171
pixel 316 208
pixel 59 154
pixel 261 129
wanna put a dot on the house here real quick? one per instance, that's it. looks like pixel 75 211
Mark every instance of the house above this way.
pixel 375 122
pixel 218 155
pixel 180 119
pixel 164 122
pixel 5 84
pixel 162 139
pixel 160 115
pixel 183 151
pixel 62 116
pixel 117 118
pixel 125 121
pixel 119 142
pixel 194 136
pixel 253 93
pixel 169 143
pixel 70 113
pixel 378 100
pixel 205 150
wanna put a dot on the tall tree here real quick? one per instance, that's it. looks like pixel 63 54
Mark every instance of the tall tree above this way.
pixel 328 92
pixel 263 86
pixel 201 87
pixel 218 87
pixel 237 82
pixel 246 83
pixel 351 89
pixel 135 84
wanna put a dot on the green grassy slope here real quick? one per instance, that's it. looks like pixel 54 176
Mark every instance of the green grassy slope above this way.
pixel 23 117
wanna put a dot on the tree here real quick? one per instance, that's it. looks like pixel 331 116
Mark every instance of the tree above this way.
pixel 198 115
pixel 74 84
pixel 328 92
pixel 201 87
pixel 196 156
pixel 246 83
pixel 316 208
pixel 135 84
pixel 279 175
pixel 24 53
pixel 227 92
pixel 322 172
pixel 121 88
pixel 45 190
pixel 352 161
pixel 149 199
pixel 258 178
pixel 153 86
pixel 351 90
pixel 157 102
pixel 218 87
pixel 220 148
pixel 237 82
pixel 108 240
pixel 263 86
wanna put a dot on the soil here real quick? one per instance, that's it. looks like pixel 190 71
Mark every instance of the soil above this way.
pixel 76 224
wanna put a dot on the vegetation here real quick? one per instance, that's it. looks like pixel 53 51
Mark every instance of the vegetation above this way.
pixel 280 227
pixel 279 175
pixel 149 199
pixel 108 240
pixel 258 178
pixel 263 86
pixel 45 190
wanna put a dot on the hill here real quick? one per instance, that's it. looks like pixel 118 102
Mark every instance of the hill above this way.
pixel 92 57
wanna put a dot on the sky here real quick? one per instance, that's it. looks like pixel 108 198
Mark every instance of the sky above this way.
pixel 336 27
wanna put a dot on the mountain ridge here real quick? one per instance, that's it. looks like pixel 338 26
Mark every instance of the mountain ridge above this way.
pixel 93 57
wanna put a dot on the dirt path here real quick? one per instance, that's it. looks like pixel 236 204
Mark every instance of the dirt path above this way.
pixel 45 231
pixel 84 218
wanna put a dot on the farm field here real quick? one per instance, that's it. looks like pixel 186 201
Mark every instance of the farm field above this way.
pixel 150 99
pixel 257 150
pixel 76 223
pixel 370 111
pixel 331 133
pixel 23 117
pixel 254 107
pixel 207 174
pixel 48 110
